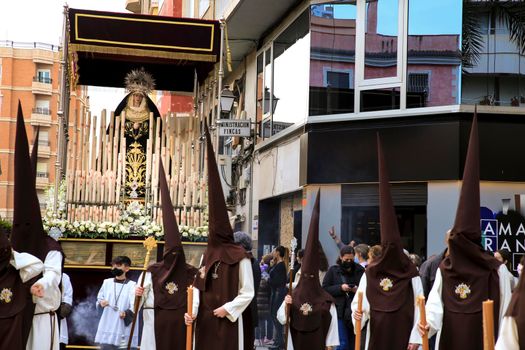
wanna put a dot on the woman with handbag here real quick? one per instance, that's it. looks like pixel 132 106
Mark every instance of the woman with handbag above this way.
pixel 341 282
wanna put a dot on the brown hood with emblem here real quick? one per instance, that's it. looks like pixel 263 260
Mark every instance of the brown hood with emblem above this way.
pixel 389 279
pixel 470 274
pixel 172 275
pixel 221 244
pixel 309 298
pixel 468 269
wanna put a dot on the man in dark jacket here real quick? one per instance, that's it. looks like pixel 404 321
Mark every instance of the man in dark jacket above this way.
pixel 341 282
pixel 245 241
pixel 428 269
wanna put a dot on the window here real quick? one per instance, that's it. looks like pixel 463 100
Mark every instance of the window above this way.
pixel 418 82
pixel 496 77
pixel 379 42
pixel 41 170
pixel 43 76
pixel 43 138
pixel 338 79
pixel 381 39
pixel 42 107
pixel 332 58
pixel 433 53
pixel 418 89
pixel 282 79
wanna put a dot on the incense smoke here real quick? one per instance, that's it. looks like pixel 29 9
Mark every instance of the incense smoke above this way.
pixel 84 317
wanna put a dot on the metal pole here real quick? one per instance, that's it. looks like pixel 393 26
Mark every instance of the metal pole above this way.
pixel 219 82
pixel 62 112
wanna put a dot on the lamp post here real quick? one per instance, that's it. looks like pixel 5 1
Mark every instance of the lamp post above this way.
pixel 227 99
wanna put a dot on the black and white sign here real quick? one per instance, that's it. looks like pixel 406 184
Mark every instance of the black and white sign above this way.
pixel 228 127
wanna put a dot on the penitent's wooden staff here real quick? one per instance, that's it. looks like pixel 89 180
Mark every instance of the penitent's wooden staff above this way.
pixel 423 320
pixel 150 243
pixel 293 245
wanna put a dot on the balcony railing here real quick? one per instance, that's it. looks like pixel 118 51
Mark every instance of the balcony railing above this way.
pixel 42 175
pixel 44 143
pixel 29 45
pixel 44 80
pixel 42 110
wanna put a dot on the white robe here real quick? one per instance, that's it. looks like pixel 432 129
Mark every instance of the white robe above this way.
pixel 236 307
pixel 332 338
pixel 508 335
pixel 67 297
pixel 148 314
pixel 44 331
pixel 417 288
pixel 28 266
pixel 111 328
pixel 434 306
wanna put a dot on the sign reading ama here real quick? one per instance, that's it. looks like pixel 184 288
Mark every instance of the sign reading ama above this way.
pixel 504 231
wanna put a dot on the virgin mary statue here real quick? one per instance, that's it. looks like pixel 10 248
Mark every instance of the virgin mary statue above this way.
pixel 137 107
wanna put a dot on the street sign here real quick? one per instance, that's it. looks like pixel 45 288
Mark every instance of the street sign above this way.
pixel 234 127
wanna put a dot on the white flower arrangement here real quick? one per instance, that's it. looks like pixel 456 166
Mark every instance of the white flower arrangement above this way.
pixel 134 221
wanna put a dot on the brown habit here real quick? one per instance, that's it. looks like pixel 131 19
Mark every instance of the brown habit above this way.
pixel 389 279
pixel 222 258
pixel 15 297
pixel 170 304
pixel 468 265
pixel 309 329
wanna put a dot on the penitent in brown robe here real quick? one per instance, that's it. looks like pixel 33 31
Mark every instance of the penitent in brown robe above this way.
pixel 468 265
pixel 219 276
pixel 391 307
pixel 170 278
pixel 309 327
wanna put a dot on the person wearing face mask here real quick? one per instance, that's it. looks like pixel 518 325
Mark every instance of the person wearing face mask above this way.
pixel 341 283
pixel 114 326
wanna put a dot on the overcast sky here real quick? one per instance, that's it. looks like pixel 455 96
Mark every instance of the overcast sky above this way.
pixel 42 21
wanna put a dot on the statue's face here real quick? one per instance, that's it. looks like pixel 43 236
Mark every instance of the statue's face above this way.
pixel 137 99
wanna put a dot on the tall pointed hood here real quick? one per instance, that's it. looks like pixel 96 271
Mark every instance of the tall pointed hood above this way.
pixel 393 265
pixel 467 263
pixel 173 268
pixel 172 241
pixel 34 152
pixel 221 244
pixel 309 291
pixel 221 231
pixel 467 222
pixel 309 284
pixel 28 233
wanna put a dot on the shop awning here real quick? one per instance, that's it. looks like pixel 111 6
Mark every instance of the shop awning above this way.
pixel 105 46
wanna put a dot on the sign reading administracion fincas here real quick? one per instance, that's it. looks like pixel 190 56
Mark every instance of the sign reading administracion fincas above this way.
pixel 235 127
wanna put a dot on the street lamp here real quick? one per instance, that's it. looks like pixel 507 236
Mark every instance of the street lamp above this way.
pixel 227 99
pixel 267 101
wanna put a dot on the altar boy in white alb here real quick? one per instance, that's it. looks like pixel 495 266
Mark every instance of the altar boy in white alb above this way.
pixel 114 326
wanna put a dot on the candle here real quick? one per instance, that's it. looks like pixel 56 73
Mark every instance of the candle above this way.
pixel 423 319
pixel 358 322
pixel 488 325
